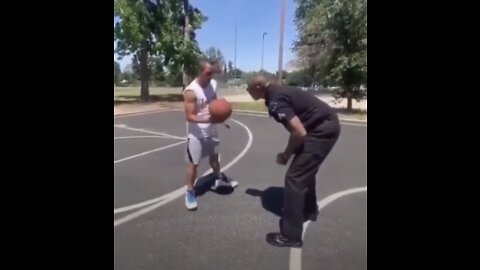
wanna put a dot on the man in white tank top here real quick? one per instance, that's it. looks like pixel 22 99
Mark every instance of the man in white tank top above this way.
pixel 201 132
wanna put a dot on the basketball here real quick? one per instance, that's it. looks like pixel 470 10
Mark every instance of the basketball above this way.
pixel 220 110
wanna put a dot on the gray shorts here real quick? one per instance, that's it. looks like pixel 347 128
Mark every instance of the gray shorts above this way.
pixel 198 148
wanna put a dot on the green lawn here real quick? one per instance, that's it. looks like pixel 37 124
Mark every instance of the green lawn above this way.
pixel 135 91
pixel 131 95
pixel 155 91
pixel 250 106
pixel 174 96
pixel 260 106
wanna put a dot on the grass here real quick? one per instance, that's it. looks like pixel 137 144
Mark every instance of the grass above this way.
pixel 250 106
pixel 260 107
pixel 131 95
pixel 135 91
pixel 173 97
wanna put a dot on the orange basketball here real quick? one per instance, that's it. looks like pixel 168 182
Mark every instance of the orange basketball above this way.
pixel 220 110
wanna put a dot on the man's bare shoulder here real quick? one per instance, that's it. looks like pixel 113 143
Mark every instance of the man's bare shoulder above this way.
pixel 189 95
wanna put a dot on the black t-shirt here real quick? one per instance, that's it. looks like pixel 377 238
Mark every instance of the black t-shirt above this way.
pixel 318 118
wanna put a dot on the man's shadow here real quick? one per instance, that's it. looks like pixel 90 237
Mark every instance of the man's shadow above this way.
pixel 272 198
pixel 204 184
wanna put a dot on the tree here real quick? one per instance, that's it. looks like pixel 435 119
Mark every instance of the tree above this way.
pixel 116 72
pixel 237 72
pixel 299 78
pixel 155 67
pixel 230 68
pixel 284 74
pixel 213 54
pixel 127 76
pixel 190 21
pixel 150 28
pixel 247 76
pixel 332 43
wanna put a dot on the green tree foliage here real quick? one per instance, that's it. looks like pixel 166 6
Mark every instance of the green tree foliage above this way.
pixel 116 72
pixel 152 30
pixel 216 55
pixel 299 78
pixel 332 43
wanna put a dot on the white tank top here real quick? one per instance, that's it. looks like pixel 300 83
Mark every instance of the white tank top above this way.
pixel 204 96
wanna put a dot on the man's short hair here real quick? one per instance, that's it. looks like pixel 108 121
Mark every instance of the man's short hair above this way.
pixel 213 63
pixel 258 80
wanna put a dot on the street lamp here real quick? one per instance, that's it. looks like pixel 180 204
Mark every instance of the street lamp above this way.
pixel 263 45
pixel 282 32
pixel 235 53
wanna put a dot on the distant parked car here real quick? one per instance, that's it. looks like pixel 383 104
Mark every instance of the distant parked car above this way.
pixel 124 83
pixel 317 89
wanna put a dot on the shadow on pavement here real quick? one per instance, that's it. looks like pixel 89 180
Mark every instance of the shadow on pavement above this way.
pixel 204 183
pixel 272 198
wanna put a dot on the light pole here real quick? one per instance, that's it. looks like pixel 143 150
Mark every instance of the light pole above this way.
pixel 280 51
pixel 235 53
pixel 263 45
pixel 186 37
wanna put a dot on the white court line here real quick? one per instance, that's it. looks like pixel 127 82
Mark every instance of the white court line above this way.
pixel 353 124
pixel 148 152
pixel 253 114
pixel 296 253
pixel 136 137
pixel 143 113
pixel 140 137
pixel 179 192
pixel 149 132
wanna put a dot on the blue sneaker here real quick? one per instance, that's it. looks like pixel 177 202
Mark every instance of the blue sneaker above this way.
pixel 190 200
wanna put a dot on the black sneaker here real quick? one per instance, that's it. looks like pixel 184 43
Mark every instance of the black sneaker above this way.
pixel 312 216
pixel 278 240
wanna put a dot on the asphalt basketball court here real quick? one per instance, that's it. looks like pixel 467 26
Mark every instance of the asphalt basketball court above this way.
pixel 153 229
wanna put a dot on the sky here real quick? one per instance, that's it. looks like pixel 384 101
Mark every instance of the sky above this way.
pixel 253 17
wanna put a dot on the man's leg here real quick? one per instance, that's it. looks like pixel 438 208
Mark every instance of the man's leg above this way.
pixel 311 207
pixel 191 175
pixel 301 172
pixel 215 165
pixel 220 179
pixel 297 182
pixel 300 181
pixel 194 150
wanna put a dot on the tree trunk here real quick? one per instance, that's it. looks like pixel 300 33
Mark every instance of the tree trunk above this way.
pixel 349 100
pixel 144 76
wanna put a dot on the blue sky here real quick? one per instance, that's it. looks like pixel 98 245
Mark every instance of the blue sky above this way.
pixel 253 18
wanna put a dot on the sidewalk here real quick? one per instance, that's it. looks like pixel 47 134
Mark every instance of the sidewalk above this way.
pixel 362 105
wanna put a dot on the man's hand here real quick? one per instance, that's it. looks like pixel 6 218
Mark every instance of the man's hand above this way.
pixel 282 158
pixel 213 120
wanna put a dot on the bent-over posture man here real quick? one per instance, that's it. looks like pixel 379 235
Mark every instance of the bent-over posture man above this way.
pixel 314 129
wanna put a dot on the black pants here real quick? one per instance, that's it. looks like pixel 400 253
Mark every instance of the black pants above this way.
pixel 300 194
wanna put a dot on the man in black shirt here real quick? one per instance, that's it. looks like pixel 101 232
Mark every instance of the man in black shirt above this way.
pixel 314 129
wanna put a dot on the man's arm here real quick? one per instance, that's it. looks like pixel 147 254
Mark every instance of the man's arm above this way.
pixel 189 103
pixel 281 110
pixel 297 135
